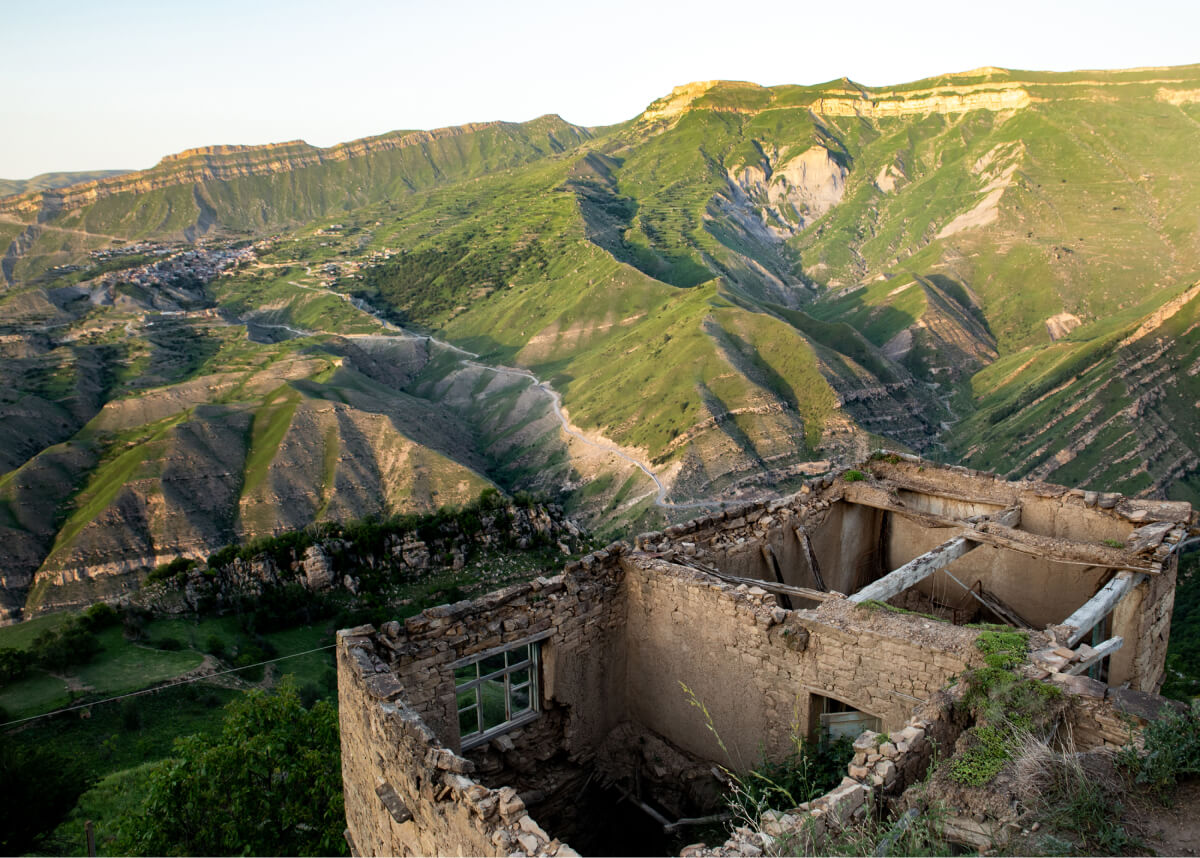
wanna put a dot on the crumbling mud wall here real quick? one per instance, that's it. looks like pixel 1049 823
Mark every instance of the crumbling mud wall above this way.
pixel 399 721
pixel 1143 619
pixel 754 665
pixel 574 616
pixel 405 793
pixel 838 535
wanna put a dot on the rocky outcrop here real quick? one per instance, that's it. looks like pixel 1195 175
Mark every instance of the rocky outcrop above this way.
pixel 788 193
pixel 345 561
pixel 1061 324
pixel 996 168
pixel 879 105
pixel 318 568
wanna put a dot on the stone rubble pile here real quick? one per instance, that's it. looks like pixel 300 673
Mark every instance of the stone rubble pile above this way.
pixel 883 766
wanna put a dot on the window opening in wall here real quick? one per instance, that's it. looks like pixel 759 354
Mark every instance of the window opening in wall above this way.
pixel 496 691
pixel 838 719
pixel 1101 632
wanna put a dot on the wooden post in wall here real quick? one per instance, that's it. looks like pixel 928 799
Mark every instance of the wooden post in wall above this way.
pixel 881 567
pixel 811 556
pixel 773 564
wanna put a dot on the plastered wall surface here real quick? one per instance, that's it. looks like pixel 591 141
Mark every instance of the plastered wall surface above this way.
pixel 753 665
pixel 1041 591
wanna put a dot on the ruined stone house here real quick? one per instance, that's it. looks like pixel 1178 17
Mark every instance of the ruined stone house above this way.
pixel 601 703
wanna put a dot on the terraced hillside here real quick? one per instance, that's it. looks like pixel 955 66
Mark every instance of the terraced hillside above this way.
pixel 731 289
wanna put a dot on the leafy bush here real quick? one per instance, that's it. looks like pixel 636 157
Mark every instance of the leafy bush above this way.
pixel 853 476
pixel 68 645
pixel 175 570
pixel 809 771
pixel 1171 750
pixel 38 787
pixel 213 645
pixel 14 664
pixel 99 616
pixel 269 784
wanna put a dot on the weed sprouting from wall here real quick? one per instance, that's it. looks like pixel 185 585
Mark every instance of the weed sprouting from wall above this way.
pixel 809 770
pixel 1007 707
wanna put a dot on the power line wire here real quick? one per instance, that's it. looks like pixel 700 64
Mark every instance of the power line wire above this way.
pixel 164 687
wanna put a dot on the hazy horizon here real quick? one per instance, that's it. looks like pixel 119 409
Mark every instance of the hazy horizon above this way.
pixel 150 81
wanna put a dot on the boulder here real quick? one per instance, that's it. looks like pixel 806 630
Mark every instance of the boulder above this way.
pixel 318 570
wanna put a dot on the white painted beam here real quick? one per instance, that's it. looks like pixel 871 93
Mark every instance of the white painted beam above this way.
pixel 915 570
pixel 1100 606
pixel 1098 652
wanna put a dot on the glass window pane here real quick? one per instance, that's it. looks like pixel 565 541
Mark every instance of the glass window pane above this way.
pixel 519 677
pixel 518 655
pixel 468 721
pixel 466 673
pixel 520 699
pixel 491 664
pixel 467 698
pixel 494 711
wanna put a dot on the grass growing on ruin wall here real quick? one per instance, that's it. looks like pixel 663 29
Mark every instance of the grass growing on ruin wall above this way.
pixel 1006 707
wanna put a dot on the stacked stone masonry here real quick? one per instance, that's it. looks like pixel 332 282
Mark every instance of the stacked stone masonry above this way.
pixel 726 636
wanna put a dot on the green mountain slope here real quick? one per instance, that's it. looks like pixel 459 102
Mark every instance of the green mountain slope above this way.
pixel 733 288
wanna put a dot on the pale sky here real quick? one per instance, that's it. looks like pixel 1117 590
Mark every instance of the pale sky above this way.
pixel 111 84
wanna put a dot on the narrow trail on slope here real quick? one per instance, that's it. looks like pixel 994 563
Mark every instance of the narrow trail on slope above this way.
pixel 471 359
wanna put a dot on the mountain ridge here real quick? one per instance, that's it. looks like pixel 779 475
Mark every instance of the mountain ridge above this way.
pixel 222 162
pixel 739 290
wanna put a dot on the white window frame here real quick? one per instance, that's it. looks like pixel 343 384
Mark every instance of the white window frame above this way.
pixel 532 686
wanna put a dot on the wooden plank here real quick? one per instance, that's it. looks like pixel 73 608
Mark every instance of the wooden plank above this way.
pixel 1002 497
pixel 773 563
pixel 1098 652
pixel 1100 605
pixel 786 589
pixel 811 556
pixel 873 496
pixel 697 820
pixel 865 494
pixel 915 570
pixel 998 607
pixel 1010 517
pixel 769 586
pixel 1057 549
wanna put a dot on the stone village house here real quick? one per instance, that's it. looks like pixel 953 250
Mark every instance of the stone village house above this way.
pixel 590 705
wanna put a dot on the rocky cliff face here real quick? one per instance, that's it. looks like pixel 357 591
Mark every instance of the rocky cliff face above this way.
pixel 789 192
pixel 343 559
pixel 882 104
